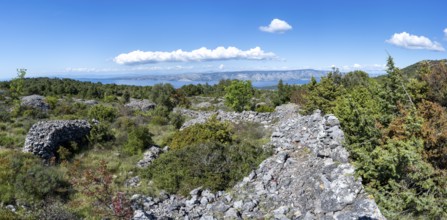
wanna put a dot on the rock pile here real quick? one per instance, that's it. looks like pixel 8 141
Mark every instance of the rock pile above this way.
pixel 45 137
pixel 142 105
pixel 308 177
pixel 150 155
pixel 35 102
pixel 202 116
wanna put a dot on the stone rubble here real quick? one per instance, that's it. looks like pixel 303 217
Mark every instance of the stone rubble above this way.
pixel 308 177
pixel 35 102
pixel 45 137
pixel 142 105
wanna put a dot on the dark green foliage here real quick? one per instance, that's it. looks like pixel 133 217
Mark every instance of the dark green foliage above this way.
pixel 238 95
pixel 100 134
pixel 212 165
pixel 396 138
pixel 211 131
pixel 323 95
pixel 176 119
pixel 23 177
pixel 138 140
pixel 162 94
pixel 283 94
pixel 103 113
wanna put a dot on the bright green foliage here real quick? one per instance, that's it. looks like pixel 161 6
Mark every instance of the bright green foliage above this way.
pixel 17 84
pixel 238 95
pixel 103 113
pixel 358 111
pixel 52 101
pixel 212 165
pixel 323 95
pixel 265 108
pixel 211 131
pixel 138 140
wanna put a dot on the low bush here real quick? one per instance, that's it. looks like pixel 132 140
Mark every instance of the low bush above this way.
pixel 212 165
pixel 138 140
pixel 24 178
pixel 103 113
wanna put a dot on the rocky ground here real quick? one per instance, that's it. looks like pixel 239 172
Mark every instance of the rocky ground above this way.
pixel 308 177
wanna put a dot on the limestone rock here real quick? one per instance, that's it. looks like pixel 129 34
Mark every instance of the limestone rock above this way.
pixel 142 105
pixel 36 102
pixel 45 137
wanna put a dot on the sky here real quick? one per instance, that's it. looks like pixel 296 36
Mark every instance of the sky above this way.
pixel 103 38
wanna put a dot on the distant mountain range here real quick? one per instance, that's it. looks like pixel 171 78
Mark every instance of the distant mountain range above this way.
pixel 255 76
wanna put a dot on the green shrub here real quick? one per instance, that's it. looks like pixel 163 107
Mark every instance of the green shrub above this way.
pixel 211 131
pixel 138 140
pixel 110 98
pixel 212 165
pixel 24 178
pixel 100 134
pixel 103 113
pixel 265 108
pixel 52 101
pixel 238 95
pixel 176 119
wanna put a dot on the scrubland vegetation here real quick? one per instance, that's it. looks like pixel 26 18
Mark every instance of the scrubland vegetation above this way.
pixel 395 130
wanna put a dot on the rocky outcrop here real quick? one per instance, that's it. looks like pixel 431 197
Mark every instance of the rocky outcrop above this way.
pixel 308 177
pixel 150 155
pixel 35 102
pixel 141 105
pixel 90 102
pixel 45 137
pixel 202 116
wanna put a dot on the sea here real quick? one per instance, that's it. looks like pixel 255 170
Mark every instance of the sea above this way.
pixel 178 84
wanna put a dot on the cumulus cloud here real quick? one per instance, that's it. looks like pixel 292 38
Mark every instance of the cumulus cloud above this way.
pixel 445 33
pixel 410 41
pixel 276 26
pixel 201 54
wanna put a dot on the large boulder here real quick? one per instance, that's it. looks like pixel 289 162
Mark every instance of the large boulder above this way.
pixel 45 137
pixel 35 102
pixel 142 105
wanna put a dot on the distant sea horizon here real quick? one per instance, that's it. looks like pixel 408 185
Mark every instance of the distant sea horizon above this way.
pixel 180 83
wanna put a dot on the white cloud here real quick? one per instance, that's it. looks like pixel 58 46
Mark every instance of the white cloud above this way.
pixel 276 26
pixel 410 41
pixel 201 54
pixel 445 32
pixel 221 66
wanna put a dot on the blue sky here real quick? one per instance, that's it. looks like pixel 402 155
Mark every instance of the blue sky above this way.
pixel 80 38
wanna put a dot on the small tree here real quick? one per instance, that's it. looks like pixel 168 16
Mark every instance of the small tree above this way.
pixel 238 95
pixel 16 85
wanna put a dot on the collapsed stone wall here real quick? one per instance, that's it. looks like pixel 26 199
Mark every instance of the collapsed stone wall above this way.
pixel 308 177
pixel 45 137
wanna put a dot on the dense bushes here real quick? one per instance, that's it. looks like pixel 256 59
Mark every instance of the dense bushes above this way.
pixel 212 165
pixel 211 131
pixel 208 155
pixel 23 178
pixel 138 140
pixel 396 137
